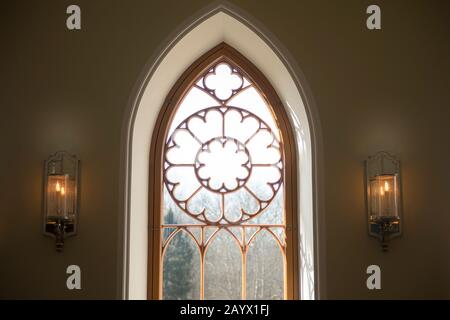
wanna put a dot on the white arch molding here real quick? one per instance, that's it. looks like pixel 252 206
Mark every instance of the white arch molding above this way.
pixel 220 22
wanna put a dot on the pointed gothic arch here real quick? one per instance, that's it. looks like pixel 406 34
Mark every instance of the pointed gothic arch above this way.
pixel 215 24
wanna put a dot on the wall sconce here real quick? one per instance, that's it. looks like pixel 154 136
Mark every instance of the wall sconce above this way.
pixel 61 197
pixel 383 184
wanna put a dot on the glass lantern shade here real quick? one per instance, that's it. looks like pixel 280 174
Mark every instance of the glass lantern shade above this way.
pixel 60 197
pixel 384 197
pixel 384 208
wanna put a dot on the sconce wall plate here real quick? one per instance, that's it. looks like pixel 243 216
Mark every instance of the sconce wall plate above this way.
pixel 384 205
pixel 61 185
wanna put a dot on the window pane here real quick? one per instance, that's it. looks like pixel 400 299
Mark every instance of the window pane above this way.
pixel 273 213
pixel 265 268
pixel 195 100
pixel 254 102
pixel 181 269
pixel 173 214
pixel 223 268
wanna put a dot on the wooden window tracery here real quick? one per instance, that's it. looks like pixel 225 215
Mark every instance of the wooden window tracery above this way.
pixel 225 167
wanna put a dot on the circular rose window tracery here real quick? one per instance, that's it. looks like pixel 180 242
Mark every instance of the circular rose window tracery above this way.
pixel 223 164
pixel 217 152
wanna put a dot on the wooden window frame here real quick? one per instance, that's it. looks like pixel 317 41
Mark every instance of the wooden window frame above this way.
pixel 221 52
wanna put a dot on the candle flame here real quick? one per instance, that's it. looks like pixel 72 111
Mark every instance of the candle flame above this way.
pixel 58 187
pixel 386 186
pixel 63 191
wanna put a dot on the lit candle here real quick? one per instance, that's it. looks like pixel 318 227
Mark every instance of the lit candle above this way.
pixel 386 196
pixel 63 200
pixel 58 198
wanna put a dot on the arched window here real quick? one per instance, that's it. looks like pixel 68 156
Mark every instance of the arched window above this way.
pixel 223 189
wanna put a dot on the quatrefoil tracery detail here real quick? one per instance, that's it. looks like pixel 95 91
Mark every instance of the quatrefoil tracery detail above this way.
pixel 223 82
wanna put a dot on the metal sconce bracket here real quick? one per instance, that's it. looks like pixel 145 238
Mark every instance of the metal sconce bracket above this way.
pixel 60 229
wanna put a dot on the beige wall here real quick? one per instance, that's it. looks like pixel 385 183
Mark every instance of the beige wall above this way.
pixel 385 90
